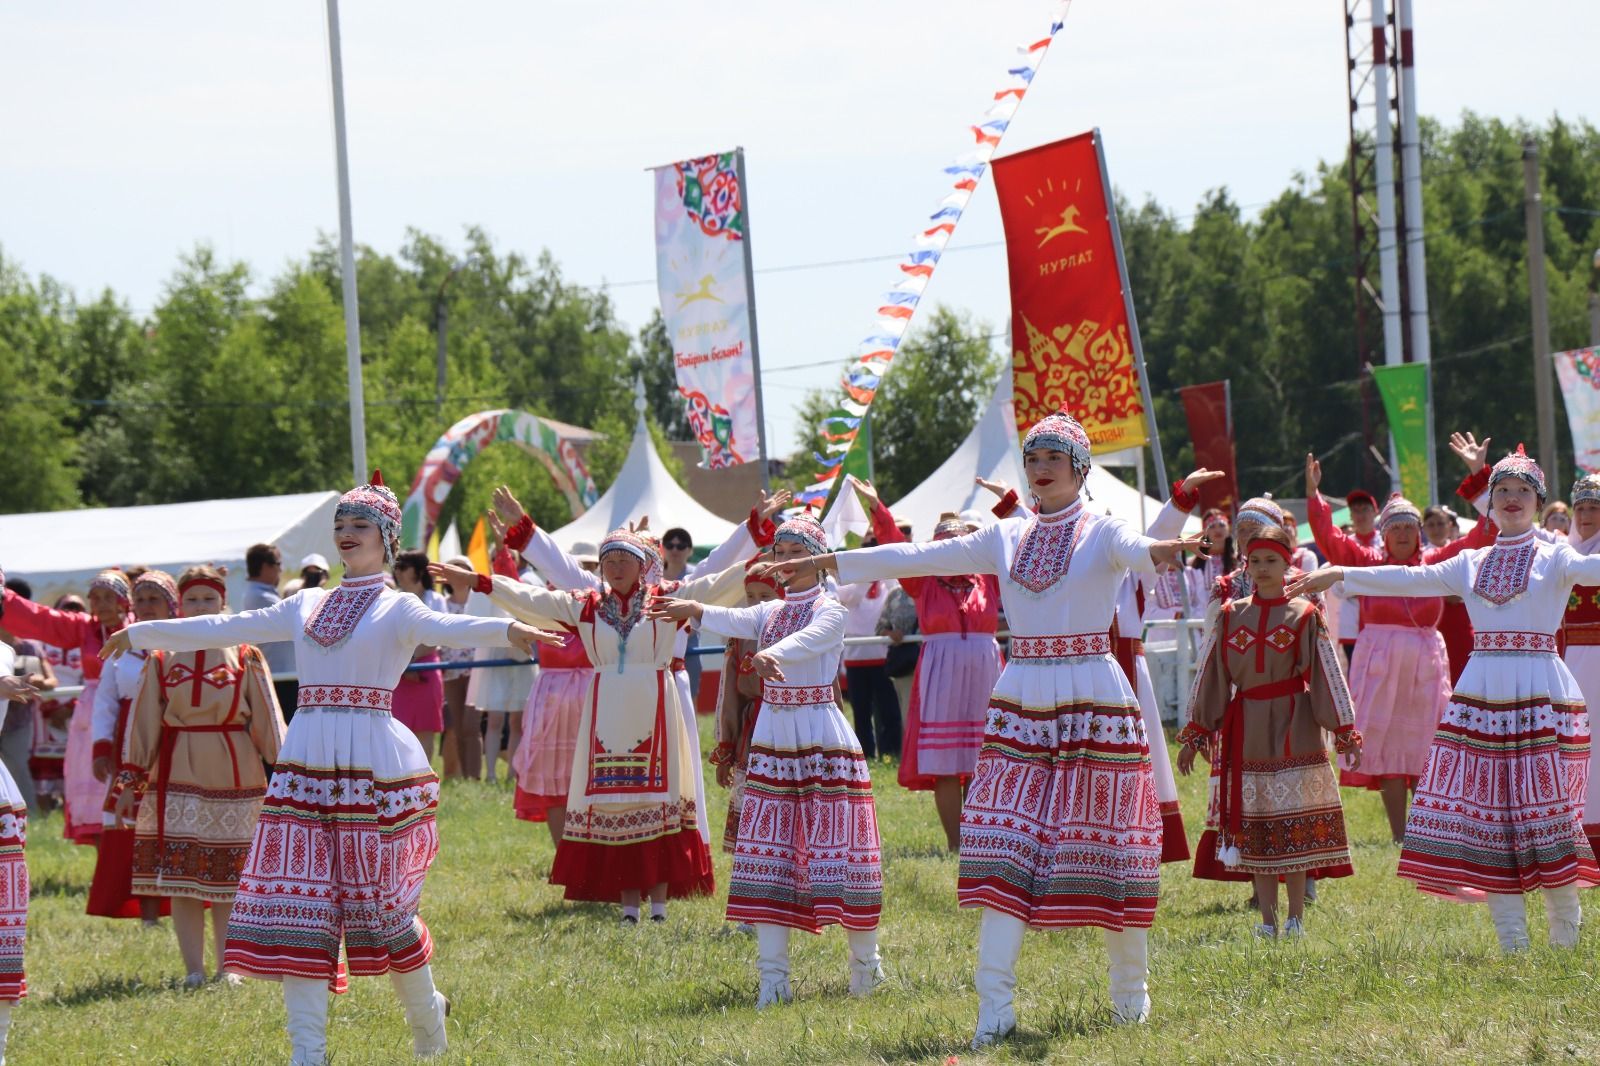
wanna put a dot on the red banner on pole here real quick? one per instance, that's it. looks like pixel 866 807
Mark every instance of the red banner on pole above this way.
pixel 1070 336
pixel 1210 412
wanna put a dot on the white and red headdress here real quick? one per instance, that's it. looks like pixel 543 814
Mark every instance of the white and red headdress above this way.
pixel 1586 487
pixel 115 582
pixel 1518 464
pixel 377 503
pixel 807 532
pixel 641 547
pixel 162 582
pixel 950 525
pixel 1398 509
pixel 1063 433
pixel 1261 510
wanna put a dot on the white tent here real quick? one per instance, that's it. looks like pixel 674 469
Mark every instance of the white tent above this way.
pixel 991 451
pixel 59 551
pixel 644 488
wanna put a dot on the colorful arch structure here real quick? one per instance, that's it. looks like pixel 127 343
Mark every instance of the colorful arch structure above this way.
pixel 451 453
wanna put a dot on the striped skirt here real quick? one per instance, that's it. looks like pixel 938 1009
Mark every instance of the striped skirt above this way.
pixel 808 853
pixel 13 889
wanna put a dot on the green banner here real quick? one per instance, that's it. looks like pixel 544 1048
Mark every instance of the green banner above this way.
pixel 1404 389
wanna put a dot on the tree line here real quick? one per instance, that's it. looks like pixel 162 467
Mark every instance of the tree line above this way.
pixel 234 385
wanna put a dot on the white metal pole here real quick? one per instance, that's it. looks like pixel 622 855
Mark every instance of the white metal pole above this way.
pixel 347 258
pixel 750 303
pixel 1388 244
pixel 1411 186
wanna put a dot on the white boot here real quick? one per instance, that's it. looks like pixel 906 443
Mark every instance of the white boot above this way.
pixel 306 1001
pixel 1130 968
pixel 1510 916
pixel 425 1011
pixel 772 963
pixel 5 1026
pixel 1563 914
pixel 866 968
pixel 999 944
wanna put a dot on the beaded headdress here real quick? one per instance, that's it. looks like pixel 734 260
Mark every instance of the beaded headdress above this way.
pixel 162 582
pixel 807 532
pixel 1261 510
pixel 639 545
pixel 377 503
pixel 1586 487
pixel 115 582
pixel 1398 509
pixel 1063 433
pixel 1518 464
pixel 950 525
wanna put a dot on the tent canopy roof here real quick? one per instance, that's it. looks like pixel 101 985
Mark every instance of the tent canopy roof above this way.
pixel 644 488
pixel 991 451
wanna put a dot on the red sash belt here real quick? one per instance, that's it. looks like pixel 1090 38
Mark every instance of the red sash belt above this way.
pixel 169 742
pixel 677 664
pixel 1230 760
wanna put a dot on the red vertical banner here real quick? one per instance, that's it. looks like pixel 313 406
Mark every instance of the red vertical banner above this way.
pixel 1070 338
pixel 1210 413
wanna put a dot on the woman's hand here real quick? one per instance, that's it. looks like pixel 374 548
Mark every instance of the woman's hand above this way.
pixel 1199 477
pixel 725 775
pixel 506 506
pixel 526 638
pixel 867 493
pixel 784 571
pixel 459 576
pixel 1170 552
pixel 116 645
pixel 101 768
pixel 768 506
pixel 124 808
pixel 1313 475
pixel 999 488
pixel 496 526
pixel 1185 760
pixel 1316 581
pixel 767 667
pixel 667 609
pixel 1354 757
pixel 1470 450
pixel 16 688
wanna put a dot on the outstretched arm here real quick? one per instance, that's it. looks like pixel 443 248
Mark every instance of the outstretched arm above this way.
pixel 280 622
pixel 1445 579
pixel 35 621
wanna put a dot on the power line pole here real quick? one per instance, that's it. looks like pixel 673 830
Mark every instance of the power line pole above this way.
pixel 1539 302
pixel 347 257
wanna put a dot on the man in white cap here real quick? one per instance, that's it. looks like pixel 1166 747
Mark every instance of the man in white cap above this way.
pixel 587 555
pixel 313 571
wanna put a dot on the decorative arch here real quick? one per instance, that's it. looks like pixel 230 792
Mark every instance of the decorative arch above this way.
pixel 451 453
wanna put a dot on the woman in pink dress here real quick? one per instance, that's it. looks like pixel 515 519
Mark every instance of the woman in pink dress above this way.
pixel 960 662
pixel 419 698
pixel 110 604
pixel 1400 672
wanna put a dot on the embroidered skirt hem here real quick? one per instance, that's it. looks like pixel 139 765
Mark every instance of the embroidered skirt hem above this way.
pixel 13 890
pixel 600 873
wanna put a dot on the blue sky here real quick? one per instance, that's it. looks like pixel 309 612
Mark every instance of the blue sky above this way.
pixel 134 131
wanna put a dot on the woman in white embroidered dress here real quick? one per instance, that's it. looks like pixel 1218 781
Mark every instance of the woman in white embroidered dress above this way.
pixel 1580 631
pixel 633 823
pixel 808 853
pixel 1061 825
pixel 1499 809
pixel 13 838
pixel 347 832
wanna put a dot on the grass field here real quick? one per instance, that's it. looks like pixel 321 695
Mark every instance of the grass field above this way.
pixel 1385 976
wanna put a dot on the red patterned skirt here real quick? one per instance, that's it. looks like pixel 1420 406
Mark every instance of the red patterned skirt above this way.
pixel 13 890
pixel 1500 805
pixel 808 853
pixel 1061 826
pixel 339 855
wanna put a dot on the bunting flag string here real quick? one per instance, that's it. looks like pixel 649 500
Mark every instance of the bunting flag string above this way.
pixel 898 305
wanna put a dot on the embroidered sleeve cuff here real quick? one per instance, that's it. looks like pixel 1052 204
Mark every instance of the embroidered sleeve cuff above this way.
pixel 504 562
pixel 1474 484
pixel 131 777
pixel 1192 736
pixel 519 535
pixel 762 531
pixel 1184 501
pixel 102 750
pixel 484 584
pixel 1347 739
pixel 722 754
pixel 1007 504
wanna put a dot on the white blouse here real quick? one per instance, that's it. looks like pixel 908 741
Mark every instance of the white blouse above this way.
pixel 807 648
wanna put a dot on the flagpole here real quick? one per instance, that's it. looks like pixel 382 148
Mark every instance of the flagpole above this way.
pixel 750 303
pixel 347 257
pixel 1133 319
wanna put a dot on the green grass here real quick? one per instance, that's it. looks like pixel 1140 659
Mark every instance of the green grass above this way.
pixel 1385 976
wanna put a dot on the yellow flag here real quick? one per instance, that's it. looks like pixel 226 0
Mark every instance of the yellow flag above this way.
pixel 478 548
pixel 433 545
